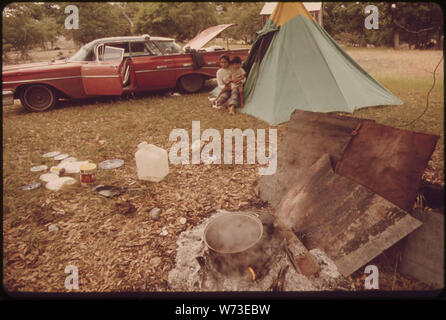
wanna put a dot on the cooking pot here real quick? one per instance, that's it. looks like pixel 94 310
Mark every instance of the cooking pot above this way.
pixel 234 242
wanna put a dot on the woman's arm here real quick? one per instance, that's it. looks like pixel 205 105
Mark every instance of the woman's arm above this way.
pixel 241 78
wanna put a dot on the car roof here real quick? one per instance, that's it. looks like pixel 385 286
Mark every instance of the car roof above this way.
pixel 161 39
pixel 130 39
pixel 121 39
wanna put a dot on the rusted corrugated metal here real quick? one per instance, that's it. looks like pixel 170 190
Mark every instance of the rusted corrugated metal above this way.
pixel 388 161
pixel 343 218
pixel 308 137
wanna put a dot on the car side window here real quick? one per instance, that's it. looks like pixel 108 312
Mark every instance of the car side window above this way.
pixel 90 56
pixel 113 53
pixel 140 49
pixel 153 48
pixel 108 52
pixel 169 47
pixel 120 45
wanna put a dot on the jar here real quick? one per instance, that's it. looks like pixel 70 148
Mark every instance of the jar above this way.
pixel 87 173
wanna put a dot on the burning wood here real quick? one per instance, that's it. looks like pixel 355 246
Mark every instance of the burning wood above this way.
pixel 299 256
pixel 253 274
pixel 278 284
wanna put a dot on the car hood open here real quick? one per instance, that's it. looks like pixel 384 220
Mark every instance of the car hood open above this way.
pixel 206 36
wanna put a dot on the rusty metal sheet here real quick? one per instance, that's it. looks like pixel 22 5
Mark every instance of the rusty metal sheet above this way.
pixel 423 256
pixel 350 223
pixel 388 161
pixel 309 135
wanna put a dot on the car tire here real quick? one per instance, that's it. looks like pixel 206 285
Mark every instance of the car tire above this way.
pixel 191 83
pixel 38 98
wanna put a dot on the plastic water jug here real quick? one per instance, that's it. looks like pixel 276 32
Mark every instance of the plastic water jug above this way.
pixel 151 162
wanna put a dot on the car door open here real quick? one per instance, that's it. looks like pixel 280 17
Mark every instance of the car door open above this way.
pixel 103 76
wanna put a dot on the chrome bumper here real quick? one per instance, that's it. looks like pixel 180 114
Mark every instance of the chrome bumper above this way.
pixel 8 97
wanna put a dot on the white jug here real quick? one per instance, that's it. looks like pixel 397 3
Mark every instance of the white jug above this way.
pixel 151 162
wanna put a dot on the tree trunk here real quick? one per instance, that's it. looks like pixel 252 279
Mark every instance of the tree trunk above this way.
pixel 126 17
pixel 396 39
pixel 362 40
pixel 439 42
pixel 417 41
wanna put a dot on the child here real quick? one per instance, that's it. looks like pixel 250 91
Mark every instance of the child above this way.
pixel 237 79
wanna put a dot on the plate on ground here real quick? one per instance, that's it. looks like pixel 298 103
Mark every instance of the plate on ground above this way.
pixel 111 164
pixel 58 183
pixel 72 166
pixel 47 177
pixel 108 191
pixel 61 156
pixel 51 154
pixel 32 186
pixel 69 159
pixel 39 168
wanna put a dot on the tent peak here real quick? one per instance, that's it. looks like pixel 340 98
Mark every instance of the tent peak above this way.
pixel 286 11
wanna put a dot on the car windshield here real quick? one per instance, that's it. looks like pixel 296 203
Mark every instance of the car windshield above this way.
pixel 168 47
pixel 85 53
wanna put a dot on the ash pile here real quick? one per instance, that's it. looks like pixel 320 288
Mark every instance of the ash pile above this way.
pixel 270 264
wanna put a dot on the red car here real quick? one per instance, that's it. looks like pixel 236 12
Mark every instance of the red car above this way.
pixel 113 66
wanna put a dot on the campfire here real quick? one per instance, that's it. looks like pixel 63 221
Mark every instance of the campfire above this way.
pixel 245 251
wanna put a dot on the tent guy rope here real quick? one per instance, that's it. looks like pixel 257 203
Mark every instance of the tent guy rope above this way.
pixel 427 97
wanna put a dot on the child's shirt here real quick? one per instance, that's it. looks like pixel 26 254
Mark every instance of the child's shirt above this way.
pixel 235 74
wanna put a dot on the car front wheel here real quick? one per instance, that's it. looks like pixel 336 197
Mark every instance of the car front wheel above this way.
pixel 37 98
pixel 191 83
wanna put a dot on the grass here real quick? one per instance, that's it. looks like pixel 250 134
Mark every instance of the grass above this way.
pixel 106 245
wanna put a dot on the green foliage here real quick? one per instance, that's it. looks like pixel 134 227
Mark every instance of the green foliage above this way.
pixel 27 25
pixel 22 29
pixel 97 20
pixel 247 17
pixel 50 31
pixel 182 20
pixel 411 18
pixel 153 18
pixel 415 23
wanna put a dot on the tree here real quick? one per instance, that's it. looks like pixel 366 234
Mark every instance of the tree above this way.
pixel 21 28
pixel 247 17
pixel 154 18
pixel 182 20
pixel 50 30
pixel 129 11
pixel 96 20
pixel 415 23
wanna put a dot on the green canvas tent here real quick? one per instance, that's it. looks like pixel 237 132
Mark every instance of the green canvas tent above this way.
pixel 295 64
